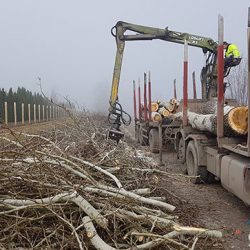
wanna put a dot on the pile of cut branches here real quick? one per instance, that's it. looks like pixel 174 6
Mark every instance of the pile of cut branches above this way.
pixel 69 188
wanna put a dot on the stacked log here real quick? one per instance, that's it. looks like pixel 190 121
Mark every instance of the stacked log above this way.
pixel 163 109
pixel 156 116
pixel 154 106
pixel 235 120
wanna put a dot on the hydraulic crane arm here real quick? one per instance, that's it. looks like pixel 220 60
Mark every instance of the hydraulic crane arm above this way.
pixel 143 33
pixel 149 33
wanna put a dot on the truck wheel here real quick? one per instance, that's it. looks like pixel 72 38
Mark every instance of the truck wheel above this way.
pixel 192 165
pixel 154 140
pixel 181 150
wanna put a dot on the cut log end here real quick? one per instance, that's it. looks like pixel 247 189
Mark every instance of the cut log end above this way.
pixel 238 119
pixel 154 106
pixel 164 112
pixel 156 117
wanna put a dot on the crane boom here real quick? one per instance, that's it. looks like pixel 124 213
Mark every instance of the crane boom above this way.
pixel 209 78
pixel 150 33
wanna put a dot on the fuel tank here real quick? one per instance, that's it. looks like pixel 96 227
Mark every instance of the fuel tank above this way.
pixel 235 176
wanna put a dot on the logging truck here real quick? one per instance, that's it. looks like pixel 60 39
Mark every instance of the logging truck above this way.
pixel 208 153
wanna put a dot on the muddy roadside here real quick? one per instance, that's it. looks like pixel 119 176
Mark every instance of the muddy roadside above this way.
pixel 207 205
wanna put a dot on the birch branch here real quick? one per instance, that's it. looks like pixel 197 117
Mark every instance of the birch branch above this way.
pixel 66 197
pixel 118 183
pixel 197 231
pixel 139 198
pixel 95 239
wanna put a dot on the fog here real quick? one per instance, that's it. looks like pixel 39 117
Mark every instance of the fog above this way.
pixel 69 45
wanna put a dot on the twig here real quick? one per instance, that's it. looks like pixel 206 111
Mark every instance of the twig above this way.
pixel 194 243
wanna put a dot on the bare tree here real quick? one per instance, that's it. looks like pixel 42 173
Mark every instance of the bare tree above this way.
pixel 238 82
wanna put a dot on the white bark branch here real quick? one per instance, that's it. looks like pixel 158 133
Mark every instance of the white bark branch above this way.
pixel 197 231
pixel 66 197
pixel 139 198
pixel 118 183
pixel 95 239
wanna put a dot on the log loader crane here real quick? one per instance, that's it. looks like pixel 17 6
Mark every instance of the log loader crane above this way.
pixel 117 115
pixel 208 156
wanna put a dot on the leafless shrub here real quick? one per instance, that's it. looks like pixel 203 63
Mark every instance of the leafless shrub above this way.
pixel 69 188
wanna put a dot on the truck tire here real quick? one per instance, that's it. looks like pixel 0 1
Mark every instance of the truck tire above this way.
pixel 181 151
pixel 154 140
pixel 192 165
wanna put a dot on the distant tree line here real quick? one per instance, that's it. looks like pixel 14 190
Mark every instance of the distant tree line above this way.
pixel 21 95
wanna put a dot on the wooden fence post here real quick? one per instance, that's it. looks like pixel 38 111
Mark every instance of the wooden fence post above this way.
pixel 34 113
pixel 39 113
pixel 15 118
pixel 29 113
pixel 22 113
pixel 43 113
pixel 6 112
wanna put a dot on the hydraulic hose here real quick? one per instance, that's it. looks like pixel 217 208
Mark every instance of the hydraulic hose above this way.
pixel 117 115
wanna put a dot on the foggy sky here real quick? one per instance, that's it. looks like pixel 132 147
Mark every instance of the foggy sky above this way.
pixel 68 44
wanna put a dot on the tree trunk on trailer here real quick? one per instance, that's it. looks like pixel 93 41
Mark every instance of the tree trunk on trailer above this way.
pixel 235 121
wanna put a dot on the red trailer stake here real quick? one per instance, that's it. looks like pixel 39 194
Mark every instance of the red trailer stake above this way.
pixel 220 90
pixel 194 86
pixel 248 47
pixel 175 94
pixel 135 116
pixel 145 97
pixel 149 96
pixel 185 84
pixel 139 99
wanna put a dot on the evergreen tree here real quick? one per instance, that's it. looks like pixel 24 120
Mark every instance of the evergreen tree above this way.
pixel 21 95
pixel 10 101
pixel 2 100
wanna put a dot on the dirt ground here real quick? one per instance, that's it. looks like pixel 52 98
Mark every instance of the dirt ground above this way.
pixel 207 205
